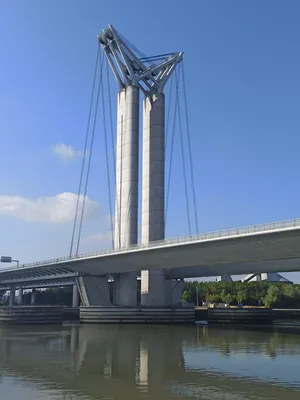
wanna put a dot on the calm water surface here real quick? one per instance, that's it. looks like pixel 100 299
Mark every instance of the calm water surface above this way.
pixel 148 362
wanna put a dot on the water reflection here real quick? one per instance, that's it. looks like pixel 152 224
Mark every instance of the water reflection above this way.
pixel 107 362
pixel 270 342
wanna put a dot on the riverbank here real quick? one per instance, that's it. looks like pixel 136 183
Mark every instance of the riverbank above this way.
pixel 246 315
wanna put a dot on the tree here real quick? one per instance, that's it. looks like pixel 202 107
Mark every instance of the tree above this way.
pixel 253 293
pixel 241 296
pixel 273 296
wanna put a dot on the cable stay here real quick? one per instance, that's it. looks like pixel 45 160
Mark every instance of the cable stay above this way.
pixel 84 152
pixel 171 152
pixel 112 144
pixel 183 161
pixel 90 154
pixel 158 57
pixel 111 120
pixel 171 88
pixel 107 166
pixel 187 161
pixel 174 108
pixel 190 150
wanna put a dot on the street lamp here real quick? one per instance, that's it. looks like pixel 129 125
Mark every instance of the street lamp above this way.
pixel 6 259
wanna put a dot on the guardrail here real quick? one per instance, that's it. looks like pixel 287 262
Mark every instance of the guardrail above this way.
pixel 160 243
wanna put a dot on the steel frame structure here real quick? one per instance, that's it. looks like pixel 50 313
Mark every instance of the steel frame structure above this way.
pixel 130 67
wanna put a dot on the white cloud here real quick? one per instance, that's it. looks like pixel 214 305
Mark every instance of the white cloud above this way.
pixel 66 152
pixel 56 209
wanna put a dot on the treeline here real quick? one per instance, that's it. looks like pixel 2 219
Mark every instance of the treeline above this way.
pixel 49 297
pixel 269 294
pixel 53 296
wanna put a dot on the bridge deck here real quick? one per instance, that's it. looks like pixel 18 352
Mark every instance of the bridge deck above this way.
pixel 227 251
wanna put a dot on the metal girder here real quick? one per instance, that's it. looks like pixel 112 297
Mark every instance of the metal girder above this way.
pixel 38 284
pixel 33 274
pixel 129 68
pixel 19 279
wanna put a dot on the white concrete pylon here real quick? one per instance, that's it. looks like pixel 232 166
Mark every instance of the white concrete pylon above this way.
pixel 134 71
pixel 153 193
pixel 155 290
pixel 121 60
pixel 126 202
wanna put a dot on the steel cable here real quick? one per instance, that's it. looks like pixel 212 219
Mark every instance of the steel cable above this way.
pixel 90 153
pixel 107 167
pixel 169 111
pixel 183 163
pixel 190 150
pixel 171 152
pixel 85 151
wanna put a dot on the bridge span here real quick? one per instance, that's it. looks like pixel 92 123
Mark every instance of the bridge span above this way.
pixel 273 247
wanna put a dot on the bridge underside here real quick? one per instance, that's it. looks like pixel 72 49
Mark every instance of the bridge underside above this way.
pixel 286 265
pixel 275 251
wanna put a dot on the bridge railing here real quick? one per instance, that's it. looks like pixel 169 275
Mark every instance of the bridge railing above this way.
pixel 160 243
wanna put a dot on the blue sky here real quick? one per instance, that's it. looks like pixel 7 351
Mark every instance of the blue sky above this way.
pixel 242 70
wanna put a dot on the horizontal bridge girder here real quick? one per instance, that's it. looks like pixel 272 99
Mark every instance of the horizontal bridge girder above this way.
pixel 44 278
pixel 212 251
pixel 39 284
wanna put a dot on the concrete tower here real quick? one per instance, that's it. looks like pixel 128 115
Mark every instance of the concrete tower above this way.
pixel 134 72
pixel 154 290
pixel 126 201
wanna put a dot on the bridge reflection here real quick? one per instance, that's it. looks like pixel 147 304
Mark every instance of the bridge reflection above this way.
pixel 111 361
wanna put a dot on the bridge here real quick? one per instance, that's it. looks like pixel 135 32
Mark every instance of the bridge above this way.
pixel 268 247
pixel 161 264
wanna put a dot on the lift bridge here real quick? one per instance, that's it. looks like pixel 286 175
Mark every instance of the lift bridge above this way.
pixel 161 264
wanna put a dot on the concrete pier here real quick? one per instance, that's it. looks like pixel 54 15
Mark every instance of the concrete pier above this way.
pixel 12 295
pixel 137 315
pixel 20 296
pixel 33 297
pixel 125 289
pixel 75 296
pixel 126 202
pixel 94 290
pixel 153 193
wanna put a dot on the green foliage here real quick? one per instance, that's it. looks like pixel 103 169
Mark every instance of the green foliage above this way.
pixel 273 296
pixel 281 295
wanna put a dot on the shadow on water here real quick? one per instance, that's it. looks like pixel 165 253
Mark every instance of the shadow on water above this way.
pixel 155 362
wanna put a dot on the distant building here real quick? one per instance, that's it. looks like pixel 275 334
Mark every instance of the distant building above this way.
pixel 224 278
pixel 266 277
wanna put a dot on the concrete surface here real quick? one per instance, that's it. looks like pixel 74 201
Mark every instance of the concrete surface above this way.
pixel 275 250
pixel 93 290
pixel 153 193
pixel 126 202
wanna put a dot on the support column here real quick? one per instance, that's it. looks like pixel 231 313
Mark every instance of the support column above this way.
pixel 12 295
pixel 75 296
pixel 94 290
pixel 20 296
pixel 153 193
pixel 126 205
pixel 173 292
pixel 33 297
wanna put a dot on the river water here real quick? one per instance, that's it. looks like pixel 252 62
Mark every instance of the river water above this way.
pixel 149 362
